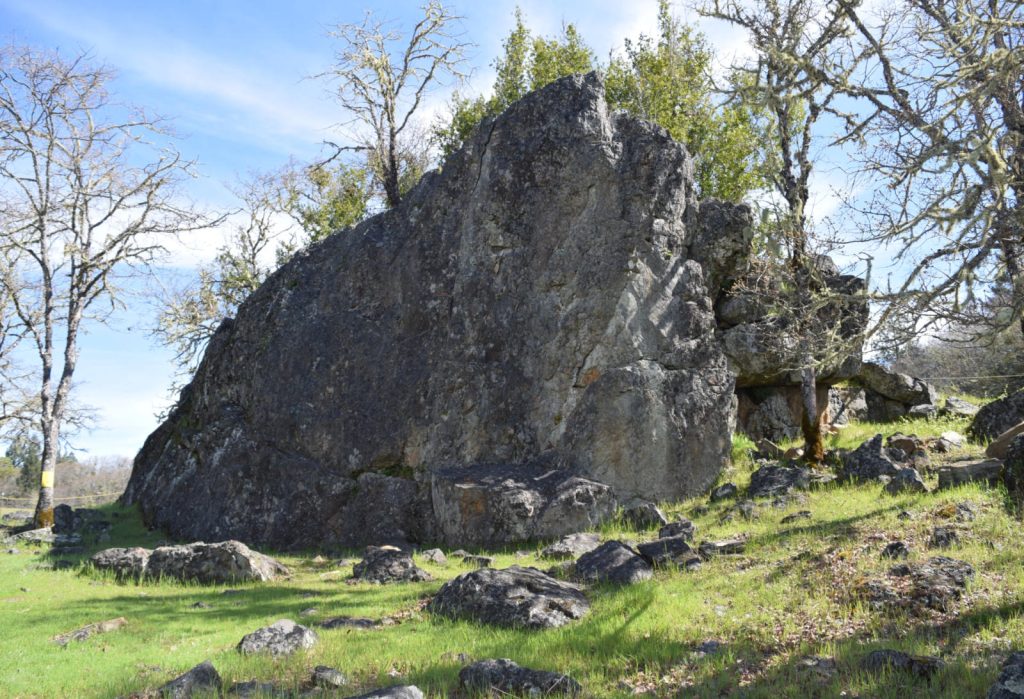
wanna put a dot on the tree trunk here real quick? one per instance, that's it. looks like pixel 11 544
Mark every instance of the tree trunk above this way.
pixel 814 447
pixel 44 507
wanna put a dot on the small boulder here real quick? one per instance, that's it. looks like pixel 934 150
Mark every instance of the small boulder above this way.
pixel 681 527
pixel 887 660
pixel 1010 683
pixel 327 677
pixel 403 691
pixel 124 563
pixel 387 564
pixel 724 492
pixel 868 462
pixel 987 471
pixel 348 622
pixel 995 418
pixel 572 546
pixel 613 562
pixel 504 677
pixel 643 516
pixel 796 516
pixel 435 556
pixel 478 561
pixel 772 481
pixel 906 480
pixel 943 538
pixel 202 679
pixel 958 408
pixel 709 549
pixel 672 550
pixel 223 562
pixel 511 597
pixel 1013 466
pixel 283 637
pixel 897 549
pixel 896 386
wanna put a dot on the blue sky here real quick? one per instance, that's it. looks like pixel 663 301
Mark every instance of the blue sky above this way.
pixel 232 77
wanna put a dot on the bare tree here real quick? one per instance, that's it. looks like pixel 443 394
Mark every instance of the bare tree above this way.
pixel 795 42
pixel 941 128
pixel 382 77
pixel 86 198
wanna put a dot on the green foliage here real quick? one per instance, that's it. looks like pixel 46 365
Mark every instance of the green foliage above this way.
pixel 528 63
pixel 25 454
pixel 324 198
pixel 667 80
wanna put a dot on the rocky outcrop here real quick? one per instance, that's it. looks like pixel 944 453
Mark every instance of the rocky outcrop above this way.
pixel 546 298
pixel 996 417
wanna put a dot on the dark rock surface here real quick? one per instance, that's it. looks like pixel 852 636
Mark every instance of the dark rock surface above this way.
pixel 124 563
pixel 503 677
pixel 674 550
pixel 613 562
pixel 959 473
pixel 724 492
pixel 996 417
pixel 709 549
pixel 644 515
pixel 543 299
pixel 922 666
pixel 512 597
pixel 226 561
pixel 201 680
pixel 906 480
pixel 896 386
pixel 869 461
pixel 681 527
pixel 1013 466
pixel 283 637
pixel 572 546
pixel 492 505
pixel 385 564
pixel 1010 683
pixel 770 481
pixel 402 691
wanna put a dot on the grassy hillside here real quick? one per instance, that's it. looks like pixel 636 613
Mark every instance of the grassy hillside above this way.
pixel 791 595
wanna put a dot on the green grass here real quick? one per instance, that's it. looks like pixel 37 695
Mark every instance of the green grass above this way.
pixel 788 597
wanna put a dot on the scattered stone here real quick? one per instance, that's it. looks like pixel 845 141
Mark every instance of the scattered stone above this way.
pixel 767 449
pixel 724 492
pixel 904 515
pixel 922 411
pixel 123 563
pixel 823 668
pixel 936 583
pixel 692 564
pixel 888 660
pixel 796 516
pixel 435 556
pixel 202 679
pixel 943 538
pixel 959 408
pixel 613 562
pixel 504 677
pixel 404 691
pixel 226 561
pixel 744 508
pixel 997 417
pixel 681 527
pixel 460 553
pixel 255 688
pixel 90 630
pixel 309 611
pixel 998 448
pixel 13 552
pixel 348 622
pixel 708 648
pixel 511 597
pixel 954 438
pixel 387 564
pixel 201 605
pixel 868 461
pixel 643 516
pixel 36 536
pixel 1013 466
pixel 572 546
pixel 908 444
pixel 897 549
pixel 988 471
pixel 709 549
pixel 478 561
pixel 493 505
pixel 1010 683
pixel 327 677
pixel 283 637
pixel 906 480
pixel 672 550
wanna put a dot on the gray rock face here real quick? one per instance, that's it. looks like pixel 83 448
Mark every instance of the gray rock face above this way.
pixel 1010 683
pixel 895 386
pixel 504 677
pixel 996 417
pixel 770 481
pixel 572 546
pixel 543 299
pixel 512 597
pixel 673 550
pixel 200 680
pixel 227 561
pixel 681 527
pixel 613 562
pixel 923 666
pixel 487 506
pixel 986 471
pixel 644 515
pixel 906 480
pixel 869 461
pixel 283 637
pixel 846 403
pixel 958 407
pixel 124 563
pixel 384 565
pixel 1013 465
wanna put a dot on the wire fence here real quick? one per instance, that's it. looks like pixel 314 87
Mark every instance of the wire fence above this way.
pixel 19 501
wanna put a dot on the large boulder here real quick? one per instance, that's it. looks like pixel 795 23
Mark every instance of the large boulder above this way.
pixel 543 299
pixel 386 564
pixel 997 417
pixel 488 506
pixel 123 562
pixel 895 386
pixel 512 597
pixel 283 637
pixel 227 561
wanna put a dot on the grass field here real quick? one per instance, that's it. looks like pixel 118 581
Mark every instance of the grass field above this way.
pixel 789 596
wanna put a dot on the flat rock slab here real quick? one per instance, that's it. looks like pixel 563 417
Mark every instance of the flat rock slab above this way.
pixel 283 637
pixel 511 597
pixel 770 481
pixel 386 564
pixel 644 515
pixel 503 677
pixel 435 556
pixel 710 549
pixel 888 660
pixel 497 504
pixel 906 480
pixel 672 550
pixel 90 630
pixel 1010 683
pixel 572 546
pixel 987 471
pixel 227 561
pixel 613 562
pixel 202 679
pixel 681 527
pixel 405 691
pixel 349 622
